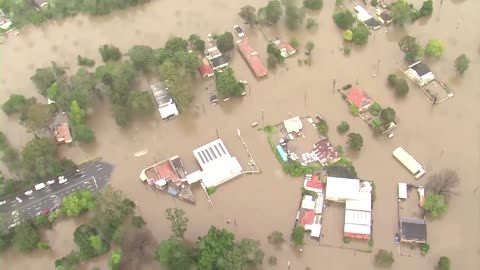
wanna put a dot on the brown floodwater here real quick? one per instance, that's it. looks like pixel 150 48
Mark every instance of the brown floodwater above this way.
pixel 446 136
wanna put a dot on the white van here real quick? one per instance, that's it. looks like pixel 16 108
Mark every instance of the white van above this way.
pixel 39 186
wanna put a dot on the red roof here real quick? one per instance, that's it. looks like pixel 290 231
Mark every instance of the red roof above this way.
pixel 252 58
pixel 359 99
pixel 307 218
pixel 356 235
pixel 62 134
pixel 315 182
pixel 205 69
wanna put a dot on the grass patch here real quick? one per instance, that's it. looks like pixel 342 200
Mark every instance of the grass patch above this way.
pixel 211 190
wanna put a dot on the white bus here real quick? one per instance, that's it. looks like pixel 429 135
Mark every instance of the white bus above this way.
pixel 409 162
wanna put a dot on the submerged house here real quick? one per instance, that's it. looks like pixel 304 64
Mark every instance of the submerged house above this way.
pixel 62 134
pixel 216 59
pixel 359 99
pixel 309 215
pixel 286 50
pixel 205 69
pixel 166 107
pixel 420 73
pixel 365 17
pixel 413 230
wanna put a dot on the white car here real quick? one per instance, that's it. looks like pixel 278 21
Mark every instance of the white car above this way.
pixel 3 202
pixel 29 192
pixel 50 182
pixel 11 226
pixel 239 31
pixel 18 200
pixel 15 213
pixel 62 180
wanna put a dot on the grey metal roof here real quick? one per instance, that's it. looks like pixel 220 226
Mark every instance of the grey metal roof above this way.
pixel 421 69
pixel 413 229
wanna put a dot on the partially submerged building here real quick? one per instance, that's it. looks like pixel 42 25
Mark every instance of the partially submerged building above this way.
pixel 216 163
pixel 325 151
pixel 252 58
pixel 359 99
pixel 420 73
pixel 310 212
pixel 366 18
pixel 171 176
pixel 62 134
pixel 286 49
pixel 293 124
pixel 357 196
pixel 205 69
pixel 412 229
pixel 166 106
pixel 216 59
pixel 5 22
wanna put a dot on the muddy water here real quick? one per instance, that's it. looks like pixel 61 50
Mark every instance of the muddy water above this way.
pixel 267 202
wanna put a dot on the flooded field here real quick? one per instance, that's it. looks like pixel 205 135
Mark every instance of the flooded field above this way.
pixel 445 136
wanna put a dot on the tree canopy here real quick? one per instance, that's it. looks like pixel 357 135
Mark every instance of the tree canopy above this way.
pixel 427 8
pixel 110 53
pixel 355 141
pixel 401 12
pixel 15 104
pixel 344 19
pixel 227 84
pixel 84 134
pixel 387 115
pixel 294 14
pixel 298 235
pixel 44 77
pixel 411 48
pixel 89 241
pixel 384 258
pixel 462 63
pixel 309 46
pixel 249 14
pixel 276 238
pixel 444 263
pixel 40 159
pixel 178 221
pixel 360 34
pixel 246 253
pixel 313 4
pixel 273 11
pixel 142 58
pixel 174 254
pixel 213 248
pixel 141 102
pixel 196 42
pixel 77 114
pixel 434 48
pixel 399 84
pixel 26 236
pixel 435 204
pixel 225 42
pixel 78 202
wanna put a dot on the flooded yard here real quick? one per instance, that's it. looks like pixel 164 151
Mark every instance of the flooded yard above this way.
pixel 445 136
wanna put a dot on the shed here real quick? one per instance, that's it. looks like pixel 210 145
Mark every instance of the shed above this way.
pixel 413 230
pixel 293 124
pixel 342 189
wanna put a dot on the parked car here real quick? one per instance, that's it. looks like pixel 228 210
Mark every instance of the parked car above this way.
pixel 50 182
pixel 11 226
pixel 18 200
pixel 3 202
pixel 29 192
pixel 62 180
pixel 39 186
pixel 239 31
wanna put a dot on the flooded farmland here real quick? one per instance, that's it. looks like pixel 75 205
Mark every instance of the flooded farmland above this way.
pixel 445 136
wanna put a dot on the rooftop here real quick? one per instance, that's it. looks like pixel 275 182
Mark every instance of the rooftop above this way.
pixel 372 23
pixel 205 69
pixel 252 58
pixel 413 230
pixel 326 153
pixel 358 98
pixel 420 68
pixel 166 106
pixel 285 48
pixel 314 183
pixel 161 171
pixel 217 165
pixel 342 189
pixel 293 124
pixel 62 133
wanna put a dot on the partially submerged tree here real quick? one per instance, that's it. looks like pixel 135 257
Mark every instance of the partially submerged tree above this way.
pixel 273 11
pixel 443 183
pixel 298 235
pixel 110 53
pixel 178 221
pixel 411 48
pixel 384 258
pixel 214 247
pixel 15 104
pixel 227 84
pixel 309 46
pixel 360 34
pixel 294 14
pixel 248 13
pixel 355 141
pixel 434 48
pixel 142 58
pixel 174 254
pixel 344 19
pixel 401 12
pixel 276 238
pixel 225 42
pixel 313 4
pixel 462 63
pixel 343 127
pixel 388 115
pixel 311 23
pixel 427 8
pixel 26 237
pixel 435 204
pixel 348 35
pixel 444 263
pixel 84 134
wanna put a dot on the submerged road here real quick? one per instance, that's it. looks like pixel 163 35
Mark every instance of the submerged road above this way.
pixel 93 177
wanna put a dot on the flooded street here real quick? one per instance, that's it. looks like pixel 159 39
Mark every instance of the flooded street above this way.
pixel 446 136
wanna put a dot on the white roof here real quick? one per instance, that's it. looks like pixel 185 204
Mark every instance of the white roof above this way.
pixel 364 202
pixel 357 229
pixel 308 202
pixel 341 189
pixel 218 166
pixel 293 124
pixel 168 110
pixel 409 162
pixel 362 14
pixel 315 229
pixel 358 217
pixel 194 177
pixel 402 191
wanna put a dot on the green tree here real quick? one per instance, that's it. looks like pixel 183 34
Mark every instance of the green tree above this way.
pixel 40 160
pixel 196 42
pixel 174 254
pixel 116 259
pixel 138 221
pixel 274 51
pixel 462 63
pixel 298 236
pixel 387 115
pixel 435 204
pixel 401 12
pixel 360 34
pixel 83 84
pixel 214 247
pixel 294 42
pixel 78 202
pixel 68 262
pixel 444 263
pixel 427 8
pixel 424 248
pixel 411 48
pixel 375 108
pixel 246 253
pixel 344 19
pixel 142 57
pixel 110 53
pixel 276 238
pixel 249 14
pixel 14 104
pixel 77 114
pixel 42 221
pixel 122 115
pixel 85 61
pixel 89 241
pixel 43 245
pixel 44 77
pixel 384 258
pixel 311 23
pixel 225 42
pixel 343 127
pixel 313 4
pixel 178 221
pixel 176 44
pixel 294 14
pixel 434 48
pixel 348 35
pixel 401 87
pixel 355 141
pixel 227 84
pixel 118 235
pixel 272 61
pixel 26 236
pixel 53 91
pixel 142 102
pixel 392 80
pixel 309 46
pixel 273 11
pixel 96 242
pixel 84 134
